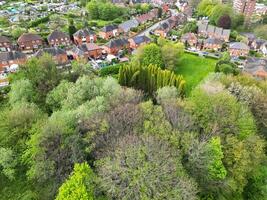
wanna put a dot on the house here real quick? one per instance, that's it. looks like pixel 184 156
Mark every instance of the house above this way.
pixel 250 37
pixel 84 36
pixel 256 67
pixel 5 44
pixel 89 50
pixel 163 29
pixel 165 8
pixel 58 38
pixel 109 31
pixel 256 44
pixel 179 19
pixel 189 38
pixel 11 58
pixel 238 49
pixel 116 45
pixel 213 44
pixel 138 41
pixel 184 7
pixel 128 25
pixel 29 42
pixel 59 55
pixel 264 49
pixel 147 16
pixel 206 30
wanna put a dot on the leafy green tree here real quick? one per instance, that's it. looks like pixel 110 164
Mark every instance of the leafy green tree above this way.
pixel 22 91
pixel 56 97
pixel 42 74
pixel 150 54
pixel 256 187
pixel 219 11
pixel 205 7
pixel 167 93
pixel 149 78
pixel 224 22
pixel 240 159
pixel 79 185
pixel 215 110
pixel 72 28
pixel 7 162
pixel 17 32
pixel 152 171
pixel 171 54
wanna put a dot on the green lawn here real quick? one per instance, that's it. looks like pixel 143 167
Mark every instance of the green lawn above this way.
pixel 194 69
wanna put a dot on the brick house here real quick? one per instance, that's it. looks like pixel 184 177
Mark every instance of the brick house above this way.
pixel 29 42
pixel 57 38
pixel 206 30
pixel 89 50
pixel 126 26
pixel 238 49
pixel 109 31
pixel 115 45
pixel 213 44
pixel 257 67
pixel 59 55
pixel 10 58
pixel 163 29
pixel 84 36
pixel 138 41
pixel 189 38
pixel 5 44
pixel 147 16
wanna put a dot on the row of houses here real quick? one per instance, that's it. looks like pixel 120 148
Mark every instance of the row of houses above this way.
pixel 10 59
pixel 165 27
pixel 235 49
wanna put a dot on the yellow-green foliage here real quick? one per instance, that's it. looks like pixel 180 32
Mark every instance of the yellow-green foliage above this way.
pixel 150 78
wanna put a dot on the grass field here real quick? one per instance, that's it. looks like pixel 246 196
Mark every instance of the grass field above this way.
pixel 194 69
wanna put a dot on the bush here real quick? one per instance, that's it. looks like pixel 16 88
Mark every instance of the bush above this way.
pixel 110 70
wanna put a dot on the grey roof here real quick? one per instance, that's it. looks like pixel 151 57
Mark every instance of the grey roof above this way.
pixel 250 36
pixel 218 30
pixel 211 29
pixel 109 28
pixel 259 42
pixel 56 34
pixel 255 64
pixel 54 51
pixel 239 45
pixel 226 32
pixel 83 33
pixel 26 37
pixel 188 36
pixel 117 43
pixel 164 26
pixel 11 55
pixel 77 51
pixel 213 41
pixel 89 47
pixel 202 27
pixel 4 39
pixel 141 39
pixel 126 26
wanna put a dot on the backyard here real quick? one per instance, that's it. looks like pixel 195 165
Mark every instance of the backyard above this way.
pixel 194 69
